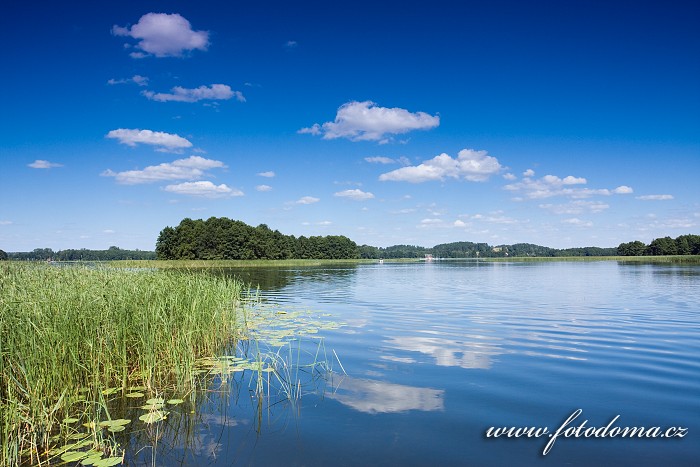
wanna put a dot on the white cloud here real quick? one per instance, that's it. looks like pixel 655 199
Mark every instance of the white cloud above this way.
pixel 364 121
pixel 180 94
pixel 578 222
pixel 6 222
pixel 475 166
pixel 357 195
pixel 655 197
pixel 458 223
pixel 551 185
pixel 509 176
pixel 263 188
pixel 268 174
pixel 108 231
pixel 204 189
pixel 182 169
pixel 576 207
pixel 137 79
pixel 164 35
pixel 306 200
pixel 380 160
pixel 623 190
pixel 165 141
pixel 42 164
pixel 291 44
pixel 529 173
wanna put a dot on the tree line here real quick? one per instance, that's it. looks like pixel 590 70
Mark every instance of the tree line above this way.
pixel 683 245
pixel 223 238
pixel 47 254
pixel 479 250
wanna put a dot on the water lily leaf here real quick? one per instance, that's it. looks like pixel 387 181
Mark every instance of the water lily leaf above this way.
pixel 70 420
pixel 152 406
pixel 135 394
pixel 72 456
pixel 152 417
pixel 113 423
pixel 154 401
pixel 175 401
pixel 110 391
pixel 91 459
pixel 77 436
pixel 137 388
pixel 116 428
pixel 108 462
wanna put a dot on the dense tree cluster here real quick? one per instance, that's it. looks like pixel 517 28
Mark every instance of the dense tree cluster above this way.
pixel 683 245
pixel 223 238
pixel 3 256
pixel 111 254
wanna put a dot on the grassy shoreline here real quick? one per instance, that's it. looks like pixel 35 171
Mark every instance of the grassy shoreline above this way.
pixel 73 335
pixel 631 259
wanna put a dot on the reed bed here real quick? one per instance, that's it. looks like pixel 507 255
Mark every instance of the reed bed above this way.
pixel 68 334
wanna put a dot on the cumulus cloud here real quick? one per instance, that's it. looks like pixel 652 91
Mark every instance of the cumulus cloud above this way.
pixel 205 189
pixel 163 35
pixel 136 79
pixel 182 169
pixel 529 173
pixel 365 121
pixel 306 200
pixel 623 190
pixel 551 185
pixel 268 174
pixel 263 188
pixel 164 141
pixel 42 164
pixel 357 195
pixel 180 94
pixel 510 176
pixel 471 165
pixel 655 197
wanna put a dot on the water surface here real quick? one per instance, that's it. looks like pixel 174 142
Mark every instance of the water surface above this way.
pixel 436 353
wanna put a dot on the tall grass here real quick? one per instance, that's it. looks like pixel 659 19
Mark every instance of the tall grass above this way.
pixel 69 333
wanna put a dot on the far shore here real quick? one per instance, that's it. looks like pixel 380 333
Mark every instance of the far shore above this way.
pixel 203 264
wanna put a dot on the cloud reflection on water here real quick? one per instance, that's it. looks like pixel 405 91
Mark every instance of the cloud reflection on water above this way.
pixel 449 352
pixel 374 396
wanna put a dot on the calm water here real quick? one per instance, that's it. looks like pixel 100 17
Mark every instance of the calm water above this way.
pixel 437 353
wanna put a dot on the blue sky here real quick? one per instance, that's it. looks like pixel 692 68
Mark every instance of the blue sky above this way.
pixel 558 123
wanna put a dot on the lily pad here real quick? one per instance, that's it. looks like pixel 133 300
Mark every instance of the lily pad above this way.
pixel 152 417
pixel 69 420
pixel 91 459
pixel 154 401
pixel 175 401
pixel 72 456
pixel 135 394
pixel 108 462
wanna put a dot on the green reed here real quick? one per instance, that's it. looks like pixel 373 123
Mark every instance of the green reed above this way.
pixel 67 334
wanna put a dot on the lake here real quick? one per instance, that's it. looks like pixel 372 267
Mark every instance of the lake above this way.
pixel 432 355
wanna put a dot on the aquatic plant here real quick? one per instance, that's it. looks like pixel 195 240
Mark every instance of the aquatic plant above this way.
pixel 70 337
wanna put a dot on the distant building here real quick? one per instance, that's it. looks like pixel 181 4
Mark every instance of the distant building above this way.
pixel 428 257
pixel 497 249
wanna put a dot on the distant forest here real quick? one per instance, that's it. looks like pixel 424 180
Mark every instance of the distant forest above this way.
pixel 111 254
pixel 221 238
